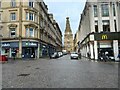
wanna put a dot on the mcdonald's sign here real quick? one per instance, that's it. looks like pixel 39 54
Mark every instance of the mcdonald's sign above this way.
pixel 104 37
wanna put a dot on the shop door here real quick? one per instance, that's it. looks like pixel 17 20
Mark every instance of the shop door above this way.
pixel 27 52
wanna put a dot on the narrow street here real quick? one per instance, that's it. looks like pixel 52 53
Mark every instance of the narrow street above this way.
pixel 59 73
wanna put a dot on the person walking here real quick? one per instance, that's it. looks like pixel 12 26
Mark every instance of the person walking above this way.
pixel 104 57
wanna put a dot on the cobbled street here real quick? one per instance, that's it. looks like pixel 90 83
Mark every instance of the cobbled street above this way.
pixel 59 73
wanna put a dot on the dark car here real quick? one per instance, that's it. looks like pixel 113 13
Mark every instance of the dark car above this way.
pixel 54 55
pixel 3 58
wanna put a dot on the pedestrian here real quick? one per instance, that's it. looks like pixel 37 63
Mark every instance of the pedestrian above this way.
pixel 79 55
pixel 14 54
pixel 104 57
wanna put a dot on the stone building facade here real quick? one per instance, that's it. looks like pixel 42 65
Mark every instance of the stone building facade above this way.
pixel 27 29
pixel 99 29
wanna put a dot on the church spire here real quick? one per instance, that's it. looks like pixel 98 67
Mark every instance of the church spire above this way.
pixel 68 29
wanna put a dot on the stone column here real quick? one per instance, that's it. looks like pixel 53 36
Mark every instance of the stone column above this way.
pixel 96 50
pixel 115 49
pixel 38 51
pixel 91 51
pixel 100 27
pixel 112 25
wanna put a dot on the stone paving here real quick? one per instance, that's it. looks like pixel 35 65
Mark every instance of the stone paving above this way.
pixel 59 73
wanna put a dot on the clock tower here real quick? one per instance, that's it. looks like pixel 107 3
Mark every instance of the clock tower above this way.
pixel 68 37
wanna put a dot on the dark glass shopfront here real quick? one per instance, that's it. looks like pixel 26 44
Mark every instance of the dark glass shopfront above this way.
pixel 29 49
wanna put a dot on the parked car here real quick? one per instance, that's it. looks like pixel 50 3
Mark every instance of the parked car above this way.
pixel 54 55
pixel 3 58
pixel 74 55
pixel 60 54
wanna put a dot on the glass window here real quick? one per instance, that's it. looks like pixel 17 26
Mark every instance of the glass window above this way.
pixel 96 26
pixel 13 3
pixel 0 16
pixel 105 10
pixel 12 32
pixel 106 26
pixel 27 32
pixel 114 10
pixel 31 32
pixel 31 3
pixel 27 16
pixel 0 4
pixel 95 11
pixel 13 16
pixel 31 16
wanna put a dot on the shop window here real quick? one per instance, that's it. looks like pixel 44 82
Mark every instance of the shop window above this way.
pixel 12 32
pixel 105 10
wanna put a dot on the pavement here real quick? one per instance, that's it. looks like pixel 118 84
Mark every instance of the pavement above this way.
pixel 59 73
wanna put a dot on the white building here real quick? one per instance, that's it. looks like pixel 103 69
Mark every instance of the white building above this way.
pixel 99 29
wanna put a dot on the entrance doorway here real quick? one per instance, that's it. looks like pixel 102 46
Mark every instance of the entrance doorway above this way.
pixel 29 52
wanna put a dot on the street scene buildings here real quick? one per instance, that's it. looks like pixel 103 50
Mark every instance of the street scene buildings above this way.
pixel 99 30
pixel 39 49
pixel 28 29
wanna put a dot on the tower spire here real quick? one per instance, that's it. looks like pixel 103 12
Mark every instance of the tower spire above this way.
pixel 68 28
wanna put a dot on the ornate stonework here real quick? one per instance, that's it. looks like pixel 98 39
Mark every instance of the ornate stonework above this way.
pixel 68 37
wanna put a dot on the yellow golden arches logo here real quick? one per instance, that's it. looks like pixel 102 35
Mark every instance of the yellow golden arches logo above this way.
pixel 104 37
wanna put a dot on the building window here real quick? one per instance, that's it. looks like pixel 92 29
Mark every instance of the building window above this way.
pixel 114 14
pixel 29 32
pixel 13 3
pixel 31 3
pixel 12 32
pixel 13 16
pixel 95 11
pixel 106 25
pixel 0 4
pixel 115 25
pixel 105 10
pixel 0 16
pixel 27 16
pixel 30 16
pixel 96 26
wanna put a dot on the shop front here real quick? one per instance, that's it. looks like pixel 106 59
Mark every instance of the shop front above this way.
pixel 43 50
pixel 108 42
pixel 29 49
pixel 8 48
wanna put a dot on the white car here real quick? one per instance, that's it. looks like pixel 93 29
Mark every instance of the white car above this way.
pixel 74 55
pixel 60 54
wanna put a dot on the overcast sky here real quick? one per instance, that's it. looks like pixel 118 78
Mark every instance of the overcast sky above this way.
pixel 66 8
